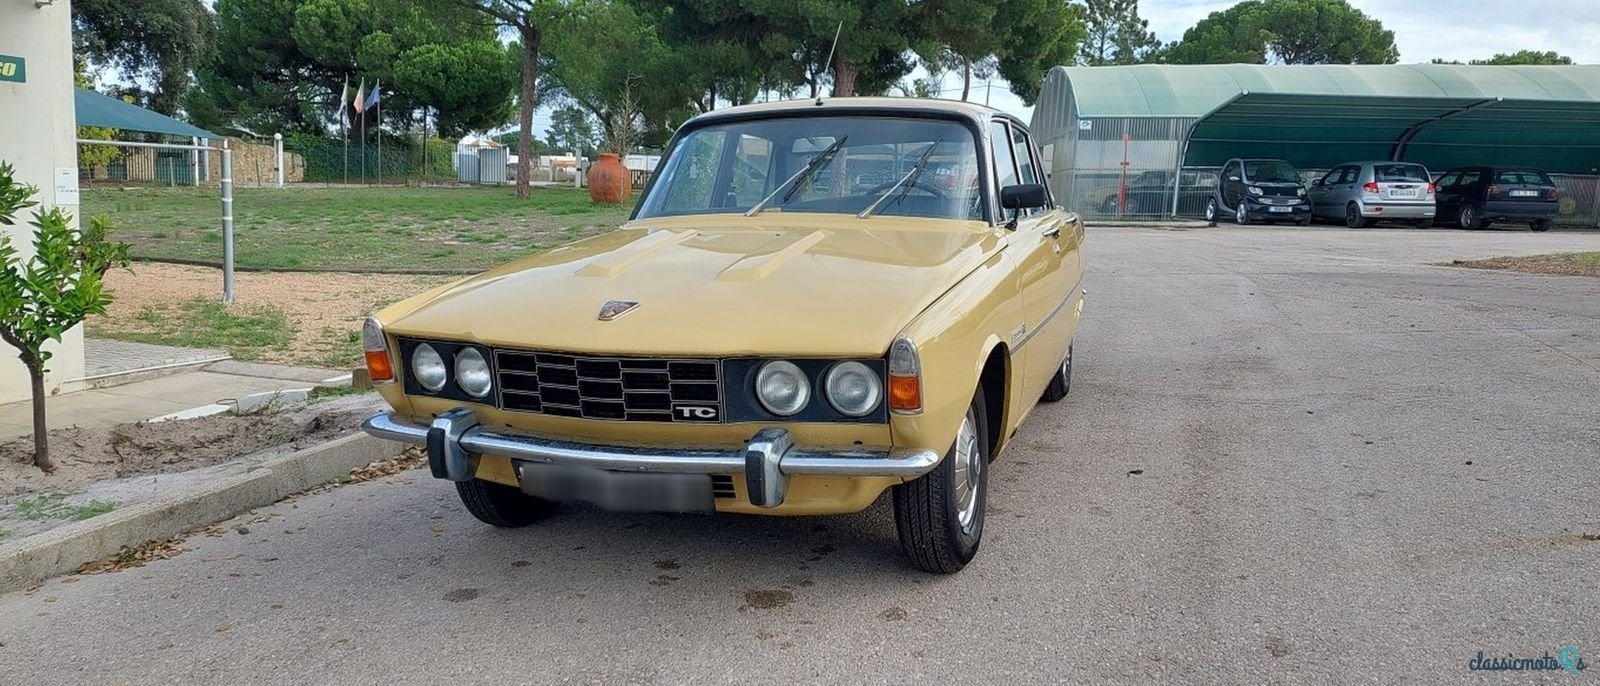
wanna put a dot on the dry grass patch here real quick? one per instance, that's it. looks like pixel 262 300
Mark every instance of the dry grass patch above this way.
pixel 1563 264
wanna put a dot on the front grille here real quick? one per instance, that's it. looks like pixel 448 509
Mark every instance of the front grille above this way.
pixel 634 389
pixel 722 486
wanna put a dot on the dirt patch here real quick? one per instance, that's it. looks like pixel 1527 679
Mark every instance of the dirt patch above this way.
pixel 323 310
pixel 86 455
pixel 1561 264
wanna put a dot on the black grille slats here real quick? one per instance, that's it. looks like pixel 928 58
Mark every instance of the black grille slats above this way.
pixel 610 388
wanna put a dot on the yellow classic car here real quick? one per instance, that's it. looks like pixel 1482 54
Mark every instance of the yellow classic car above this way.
pixel 813 302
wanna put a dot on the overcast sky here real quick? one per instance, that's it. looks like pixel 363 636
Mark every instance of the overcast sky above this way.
pixel 1468 29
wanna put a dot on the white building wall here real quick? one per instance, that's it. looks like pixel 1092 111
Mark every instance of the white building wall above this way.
pixel 38 133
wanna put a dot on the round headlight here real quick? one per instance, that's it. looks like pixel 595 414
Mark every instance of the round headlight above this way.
pixel 428 367
pixel 472 373
pixel 782 388
pixel 853 389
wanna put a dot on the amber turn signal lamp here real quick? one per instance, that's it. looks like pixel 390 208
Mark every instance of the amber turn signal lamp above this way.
pixel 905 377
pixel 380 369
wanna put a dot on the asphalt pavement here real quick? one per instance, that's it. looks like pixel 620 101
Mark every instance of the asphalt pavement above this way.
pixel 1289 456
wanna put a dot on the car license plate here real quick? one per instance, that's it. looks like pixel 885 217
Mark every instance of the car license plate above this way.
pixel 1524 194
pixel 1280 209
pixel 1402 192
pixel 622 491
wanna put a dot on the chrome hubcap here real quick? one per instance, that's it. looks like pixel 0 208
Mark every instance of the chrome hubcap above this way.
pixel 969 470
pixel 1211 210
pixel 1238 213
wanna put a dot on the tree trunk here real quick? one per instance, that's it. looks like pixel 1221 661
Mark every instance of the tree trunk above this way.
pixel 41 444
pixel 844 76
pixel 530 73
pixel 966 77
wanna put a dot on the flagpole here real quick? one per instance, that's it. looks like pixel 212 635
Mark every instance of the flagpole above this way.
pixel 344 120
pixel 380 137
pixel 363 148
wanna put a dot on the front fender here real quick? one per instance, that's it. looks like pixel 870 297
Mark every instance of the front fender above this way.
pixel 954 338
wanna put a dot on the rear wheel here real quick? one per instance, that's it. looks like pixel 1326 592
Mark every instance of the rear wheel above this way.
pixel 940 514
pixel 1353 218
pixel 1061 383
pixel 502 505
pixel 1467 217
pixel 1542 224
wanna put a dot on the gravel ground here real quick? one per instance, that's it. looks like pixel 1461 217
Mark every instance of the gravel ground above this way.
pixel 1289 456
pixel 323 308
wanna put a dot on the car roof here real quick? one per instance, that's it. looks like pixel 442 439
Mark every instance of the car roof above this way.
pixel 969 110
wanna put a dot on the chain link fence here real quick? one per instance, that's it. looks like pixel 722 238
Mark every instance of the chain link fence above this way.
pixel 399 161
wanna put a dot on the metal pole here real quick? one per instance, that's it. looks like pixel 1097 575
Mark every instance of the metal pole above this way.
pixel 227 223
pixel 380 140
pixel 277 158
pixel 194 160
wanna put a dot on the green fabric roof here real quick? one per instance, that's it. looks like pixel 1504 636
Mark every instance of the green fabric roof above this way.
pixel 98 109
pixel 1171 90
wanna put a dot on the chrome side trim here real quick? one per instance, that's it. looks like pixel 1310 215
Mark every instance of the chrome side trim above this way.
pixel 1048 318
pixel 771 452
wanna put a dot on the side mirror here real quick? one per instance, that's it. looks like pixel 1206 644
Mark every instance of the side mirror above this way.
pixel 1024 196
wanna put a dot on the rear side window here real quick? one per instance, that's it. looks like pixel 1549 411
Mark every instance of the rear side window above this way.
pixel 1449 180
pixel 1400 172
pixel 1527 176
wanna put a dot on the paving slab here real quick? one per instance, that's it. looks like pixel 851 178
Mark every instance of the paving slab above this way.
pixel 136 401
pixel 110 362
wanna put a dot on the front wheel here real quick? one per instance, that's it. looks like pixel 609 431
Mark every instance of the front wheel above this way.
pixel 1241 216
pixel 1211 211
pixel 940 514
pixel 502 505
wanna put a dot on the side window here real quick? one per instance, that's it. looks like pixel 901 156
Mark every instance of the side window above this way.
pixel 1005 163
pixel 1230 171
pixel 1448 180
pixel 752 160
pixel 1024 153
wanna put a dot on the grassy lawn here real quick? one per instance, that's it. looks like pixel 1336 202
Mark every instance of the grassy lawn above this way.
pixel 463 229
pixel 1565 264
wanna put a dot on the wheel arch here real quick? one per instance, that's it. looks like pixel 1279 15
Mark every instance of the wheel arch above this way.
pixel 995 381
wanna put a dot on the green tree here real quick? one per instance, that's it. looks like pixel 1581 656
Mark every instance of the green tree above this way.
pixel 1288 32
pixel 162 42
pixel 287 60
pixel 1041 34
pixel 1526 57
pixel 92 156
pixel 469 84
pixel 1115 34
pixel 42 297
pixel 528 19
pixel 571 130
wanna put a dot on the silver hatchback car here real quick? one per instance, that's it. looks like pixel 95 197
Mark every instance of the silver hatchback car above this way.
pixel 1362 193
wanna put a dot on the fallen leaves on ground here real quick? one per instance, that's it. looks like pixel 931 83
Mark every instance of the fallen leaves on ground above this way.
pixel 414 457
pixel 135 556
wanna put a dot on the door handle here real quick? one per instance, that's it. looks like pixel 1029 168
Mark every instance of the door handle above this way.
pixel 1054 231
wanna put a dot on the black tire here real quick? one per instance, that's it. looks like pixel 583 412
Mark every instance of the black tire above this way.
pixel 1109 207
pixel 1241 215
pixel 1542 224
pixel 1303 222
pixel 1061 383
pixel 1424 223
pixel 501 505
pixel 1467 217
pixel 927 514
pixel 1353 218
pixel 1211 211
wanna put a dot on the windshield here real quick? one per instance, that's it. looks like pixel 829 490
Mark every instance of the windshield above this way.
pixel 735 166
pixel 1399 172
pixel 1271 170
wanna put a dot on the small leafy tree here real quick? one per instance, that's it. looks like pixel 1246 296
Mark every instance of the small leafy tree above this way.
pixel 44 296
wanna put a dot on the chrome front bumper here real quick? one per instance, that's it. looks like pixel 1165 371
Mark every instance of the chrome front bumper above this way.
pixel 455 440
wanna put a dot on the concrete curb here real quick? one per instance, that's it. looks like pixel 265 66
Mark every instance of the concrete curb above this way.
pixel 65 548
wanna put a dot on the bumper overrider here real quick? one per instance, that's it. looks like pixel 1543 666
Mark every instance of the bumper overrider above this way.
pixel 455 441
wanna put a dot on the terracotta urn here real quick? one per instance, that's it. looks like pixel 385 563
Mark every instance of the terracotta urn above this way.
pixel 609 181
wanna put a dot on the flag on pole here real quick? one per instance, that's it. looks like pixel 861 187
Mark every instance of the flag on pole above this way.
pixel 344 100
pixel 360 102
pixel 372 98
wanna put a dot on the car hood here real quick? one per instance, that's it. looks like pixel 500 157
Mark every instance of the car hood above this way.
pixel 797 284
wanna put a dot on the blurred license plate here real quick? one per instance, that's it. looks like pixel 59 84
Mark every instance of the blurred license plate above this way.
pixel 1524 194
pixel 625 491
pixel 1402 192
pixel 1280 209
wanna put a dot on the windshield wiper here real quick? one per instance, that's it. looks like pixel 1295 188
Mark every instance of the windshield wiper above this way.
pixel 905 182
pixel 805 172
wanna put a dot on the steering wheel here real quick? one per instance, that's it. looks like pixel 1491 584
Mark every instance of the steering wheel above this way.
pixel 917 183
